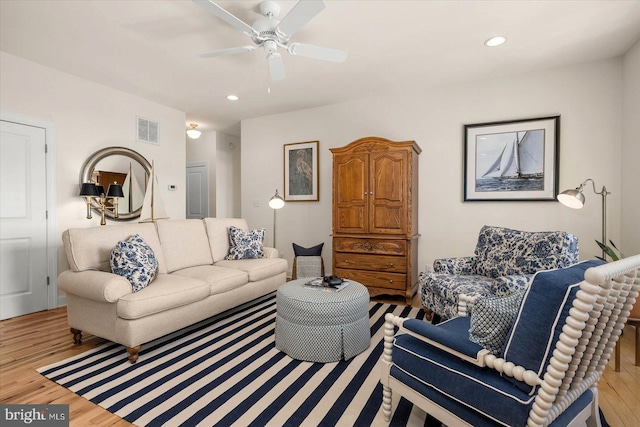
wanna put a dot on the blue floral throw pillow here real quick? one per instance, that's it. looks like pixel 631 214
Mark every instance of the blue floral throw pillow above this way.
pixel 245 244
pixel 134 260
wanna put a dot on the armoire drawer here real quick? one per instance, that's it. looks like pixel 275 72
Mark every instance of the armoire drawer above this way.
pixel 370 246
pixel 375 279
pixel 384 263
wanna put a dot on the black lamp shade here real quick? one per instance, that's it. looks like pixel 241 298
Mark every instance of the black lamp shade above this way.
pixel 100 190
pixel 115 190
pixel 89 189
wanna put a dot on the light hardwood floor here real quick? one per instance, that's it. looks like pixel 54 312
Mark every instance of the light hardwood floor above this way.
pixel 35 340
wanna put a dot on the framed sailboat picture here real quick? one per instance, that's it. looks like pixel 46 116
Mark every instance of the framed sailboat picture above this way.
pixel 512 161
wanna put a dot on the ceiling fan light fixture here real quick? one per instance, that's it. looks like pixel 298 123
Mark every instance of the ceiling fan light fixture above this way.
pixel 270 33
pixel 495 41
pixel 193 133
pixel 232 97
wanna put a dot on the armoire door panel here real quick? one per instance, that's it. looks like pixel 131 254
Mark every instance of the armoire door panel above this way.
pixel 351 219
pixel 351 172
pixel 351 197
pixel 388 220
pixel 389 177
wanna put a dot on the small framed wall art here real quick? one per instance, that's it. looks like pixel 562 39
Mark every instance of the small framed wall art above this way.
pixel 512 160
pixel 301 172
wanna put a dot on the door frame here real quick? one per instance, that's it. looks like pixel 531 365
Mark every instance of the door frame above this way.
pixel 53 299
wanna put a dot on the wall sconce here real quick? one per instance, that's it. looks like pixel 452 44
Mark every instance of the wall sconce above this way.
pixel 91 191
pixel 193 133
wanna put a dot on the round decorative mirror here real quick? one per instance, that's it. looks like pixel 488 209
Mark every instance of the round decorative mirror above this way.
pixel 122 166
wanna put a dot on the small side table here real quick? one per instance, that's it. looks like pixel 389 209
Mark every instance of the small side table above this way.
pixel 322 326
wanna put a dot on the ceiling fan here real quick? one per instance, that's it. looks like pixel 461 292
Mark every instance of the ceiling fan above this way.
pixel 270 34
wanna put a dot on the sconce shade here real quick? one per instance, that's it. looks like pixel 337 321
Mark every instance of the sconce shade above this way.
pixel 89 189
pixel 573 199
pixel 115 190
pixel 276 202
pixel 100 190
pixel 193 133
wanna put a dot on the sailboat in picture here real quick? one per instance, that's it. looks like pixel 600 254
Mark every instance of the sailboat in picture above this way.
pixel 152 207
pixel 519 166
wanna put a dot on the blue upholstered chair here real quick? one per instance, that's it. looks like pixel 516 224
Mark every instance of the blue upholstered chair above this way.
pixel 504 261
pixel 538 365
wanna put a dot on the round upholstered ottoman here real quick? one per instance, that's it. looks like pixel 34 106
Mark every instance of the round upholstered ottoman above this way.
pixel 322 326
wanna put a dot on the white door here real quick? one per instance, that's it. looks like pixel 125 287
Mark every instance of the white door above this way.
pixel 23 220
pixel 197 190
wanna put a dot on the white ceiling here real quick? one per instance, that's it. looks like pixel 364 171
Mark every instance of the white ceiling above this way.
pixel 148 48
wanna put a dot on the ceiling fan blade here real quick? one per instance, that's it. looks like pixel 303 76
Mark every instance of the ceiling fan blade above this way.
pixel 276 66
pixel 227 17
pixel 301 13
pixel 317 52
pixel 225 52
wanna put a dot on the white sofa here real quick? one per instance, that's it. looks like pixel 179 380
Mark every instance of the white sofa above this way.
pixel 194 281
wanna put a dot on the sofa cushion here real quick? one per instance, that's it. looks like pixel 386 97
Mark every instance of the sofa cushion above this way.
pixel 135 260
pixel 185 243
pixel 90 248
pixel 440 292
pixel 492 318
pixel 258 269
pixel 245 244
pixel 167 291
pixel 221 279
pixel 503 252
pixel 506 285
pixel 218 233
pixel 542 314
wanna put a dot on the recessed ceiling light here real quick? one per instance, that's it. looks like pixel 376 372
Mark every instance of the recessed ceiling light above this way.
pixel 232 97
pixel 495 41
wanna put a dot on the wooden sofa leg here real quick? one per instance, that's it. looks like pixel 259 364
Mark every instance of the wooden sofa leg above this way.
pixel 133 353
pixel 427 314
pixel 77 336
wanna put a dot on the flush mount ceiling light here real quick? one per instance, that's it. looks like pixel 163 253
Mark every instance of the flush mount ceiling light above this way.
pixel 232 97
pixel 495 41
pixel 193 133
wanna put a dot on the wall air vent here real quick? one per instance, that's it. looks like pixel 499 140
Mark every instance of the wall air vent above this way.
pixel 147 130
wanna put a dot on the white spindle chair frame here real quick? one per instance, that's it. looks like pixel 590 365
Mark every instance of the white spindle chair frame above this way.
pixel 588 338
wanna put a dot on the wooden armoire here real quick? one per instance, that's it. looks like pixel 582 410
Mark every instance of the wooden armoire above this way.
pixel 375 215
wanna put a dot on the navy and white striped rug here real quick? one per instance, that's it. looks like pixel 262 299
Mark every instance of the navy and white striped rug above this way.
pixel 226 371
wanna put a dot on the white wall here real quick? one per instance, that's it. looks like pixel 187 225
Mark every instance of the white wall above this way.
pixel 222 153
pixel 630 221
pixel 228 176
pixel 204 150
pixel 587 96
pixel 88 117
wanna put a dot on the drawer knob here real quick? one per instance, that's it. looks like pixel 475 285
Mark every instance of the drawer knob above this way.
pixel 390 281
pixel 391 264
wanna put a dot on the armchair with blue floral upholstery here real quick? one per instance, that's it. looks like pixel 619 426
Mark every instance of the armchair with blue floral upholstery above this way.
pixel 504 261
pixel 532 358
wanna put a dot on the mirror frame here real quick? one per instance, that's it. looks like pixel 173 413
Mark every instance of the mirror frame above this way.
pixel 90 164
